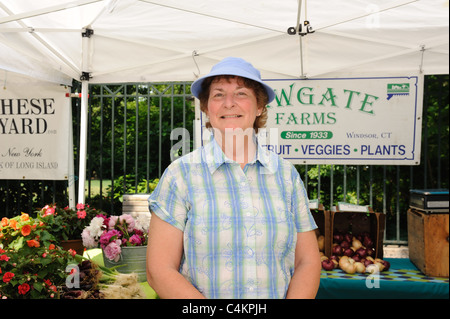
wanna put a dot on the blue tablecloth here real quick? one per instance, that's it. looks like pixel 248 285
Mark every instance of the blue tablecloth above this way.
pixel 402 281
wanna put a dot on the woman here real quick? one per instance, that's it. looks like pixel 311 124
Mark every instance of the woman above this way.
pixel 231 220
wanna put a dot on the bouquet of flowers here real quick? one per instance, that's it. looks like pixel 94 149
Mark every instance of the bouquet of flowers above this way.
pixel 112 233
pixel 66 223
pixel 31 265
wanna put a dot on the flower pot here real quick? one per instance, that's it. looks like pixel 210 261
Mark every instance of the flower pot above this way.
pixel 133 259
pixel 75 244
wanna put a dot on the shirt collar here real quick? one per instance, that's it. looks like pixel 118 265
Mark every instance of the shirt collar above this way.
pixel 215 157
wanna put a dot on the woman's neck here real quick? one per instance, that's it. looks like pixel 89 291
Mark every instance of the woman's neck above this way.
pixel 238 145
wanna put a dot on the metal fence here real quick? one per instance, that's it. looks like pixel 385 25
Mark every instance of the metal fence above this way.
pixel 129 145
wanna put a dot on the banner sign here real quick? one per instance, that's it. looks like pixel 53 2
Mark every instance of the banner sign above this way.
pixel 346 121
pixel 34 132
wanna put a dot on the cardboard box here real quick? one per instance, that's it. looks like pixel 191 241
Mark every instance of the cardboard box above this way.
pixel 357 222
pixel 428 236
pixel 321 217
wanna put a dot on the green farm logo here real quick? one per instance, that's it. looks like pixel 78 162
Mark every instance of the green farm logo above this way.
pixel 397 89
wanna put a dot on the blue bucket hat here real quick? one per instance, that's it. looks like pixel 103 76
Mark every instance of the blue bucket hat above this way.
pixel 236 67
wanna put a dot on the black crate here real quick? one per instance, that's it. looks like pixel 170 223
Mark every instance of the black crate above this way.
pixel 429 200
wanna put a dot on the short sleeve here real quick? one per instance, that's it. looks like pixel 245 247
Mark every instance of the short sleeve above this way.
pixel 304 221
pixel 168 200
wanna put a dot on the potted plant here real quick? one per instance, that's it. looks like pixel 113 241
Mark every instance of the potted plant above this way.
pixel 66 224
pixel 31 265
pixel 123 240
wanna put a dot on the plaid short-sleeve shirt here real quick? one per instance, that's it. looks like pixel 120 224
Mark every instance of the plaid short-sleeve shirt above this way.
pixel 240 225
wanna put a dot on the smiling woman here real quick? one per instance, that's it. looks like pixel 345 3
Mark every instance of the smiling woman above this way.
pixel 231 219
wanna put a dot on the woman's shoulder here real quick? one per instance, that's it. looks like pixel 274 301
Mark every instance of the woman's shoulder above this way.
pixel 278 162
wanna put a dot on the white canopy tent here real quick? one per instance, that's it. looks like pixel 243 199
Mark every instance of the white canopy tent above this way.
pixel 111 41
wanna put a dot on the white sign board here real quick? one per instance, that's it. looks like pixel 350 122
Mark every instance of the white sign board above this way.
pixel 34 132
pixel 376 120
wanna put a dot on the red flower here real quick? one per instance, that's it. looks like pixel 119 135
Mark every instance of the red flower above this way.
pixel 4 222
pixel 80 206
pixel 72 252
pixel 4 257
pixel 24 288
pixel 48 211
pixel 26 230
pixel 33 243
pixel 81 214
pixel 7 276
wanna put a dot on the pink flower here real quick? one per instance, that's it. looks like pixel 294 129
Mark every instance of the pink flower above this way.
pixel 112 221
pixel 105 219
pixel 111 235
pixel 135 240
pixel 88 240
pixel 129 220
pixel 81 214
pixel 49 211
pixel 112 251
pixel 80 206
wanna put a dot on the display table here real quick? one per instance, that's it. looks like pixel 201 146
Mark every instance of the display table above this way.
pixel 402 281
pixel 96 256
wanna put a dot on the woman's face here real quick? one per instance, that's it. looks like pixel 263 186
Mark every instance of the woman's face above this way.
pixel 231 105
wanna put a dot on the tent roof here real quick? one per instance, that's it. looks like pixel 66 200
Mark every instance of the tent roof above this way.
pixel 174 40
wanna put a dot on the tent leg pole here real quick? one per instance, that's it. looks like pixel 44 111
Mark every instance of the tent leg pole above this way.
pixel 301 58
pixel 71 179
pixel 83 141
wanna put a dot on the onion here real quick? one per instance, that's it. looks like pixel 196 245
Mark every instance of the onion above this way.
pixel 337 238
pixel 347 264
pixel 327 264
pixel 345 244
pixel 359 267
pixel 367 262
pixel 356 244
pixel 335 263
pixel 382 264
pixel 349 252
pixel 361 252
pixel 356 258
pixel 387 265
pixel 370 252
pixel 334 257
pixel 336 250
pixel 348 237
pixel 367 242
pixel 321 242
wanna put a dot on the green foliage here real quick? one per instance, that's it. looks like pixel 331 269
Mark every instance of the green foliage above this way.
pixel 66 223
pixel 127 185
pixel 137 122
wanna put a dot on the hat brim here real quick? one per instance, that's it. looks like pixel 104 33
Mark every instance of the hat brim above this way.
pixel 196 86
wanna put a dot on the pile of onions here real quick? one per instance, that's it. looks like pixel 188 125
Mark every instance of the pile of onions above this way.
pixel 353 254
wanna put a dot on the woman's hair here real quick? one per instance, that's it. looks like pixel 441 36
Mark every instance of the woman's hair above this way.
pixel 258 90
